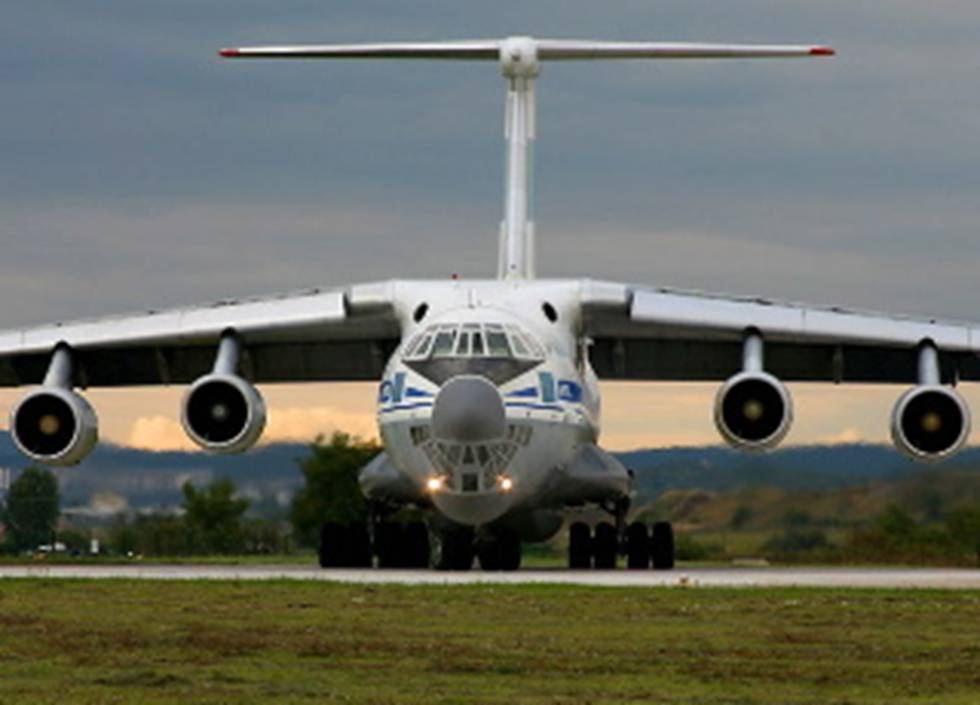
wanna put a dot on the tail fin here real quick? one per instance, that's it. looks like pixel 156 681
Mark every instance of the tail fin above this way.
pixel 520 59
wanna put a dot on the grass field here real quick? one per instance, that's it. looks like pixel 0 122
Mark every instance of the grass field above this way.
pixel 296 642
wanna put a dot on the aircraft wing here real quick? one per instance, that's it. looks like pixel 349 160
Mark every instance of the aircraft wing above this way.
pixel 339 334
pixel 662 334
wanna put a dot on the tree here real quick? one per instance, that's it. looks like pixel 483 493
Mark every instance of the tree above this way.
pixel 897 525
pixel 331 492
pixel 33 508
pixel 963 526
pixel 214 517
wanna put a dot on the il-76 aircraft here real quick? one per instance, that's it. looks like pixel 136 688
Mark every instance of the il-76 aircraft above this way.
pixel 488 401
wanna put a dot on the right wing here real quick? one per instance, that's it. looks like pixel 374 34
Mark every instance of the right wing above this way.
pixel 317 335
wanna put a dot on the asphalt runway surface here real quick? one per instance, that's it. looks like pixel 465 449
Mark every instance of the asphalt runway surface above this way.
pixel 943 578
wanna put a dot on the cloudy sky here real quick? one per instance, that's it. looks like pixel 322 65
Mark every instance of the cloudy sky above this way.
pixel 140 170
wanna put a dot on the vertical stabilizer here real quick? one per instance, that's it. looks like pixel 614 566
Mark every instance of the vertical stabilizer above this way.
pixel 520 59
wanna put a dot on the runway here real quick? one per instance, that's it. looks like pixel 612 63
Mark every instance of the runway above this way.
pixel 939 578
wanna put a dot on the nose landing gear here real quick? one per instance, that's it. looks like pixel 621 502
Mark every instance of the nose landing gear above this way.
pixel 500 550
pixel 453 549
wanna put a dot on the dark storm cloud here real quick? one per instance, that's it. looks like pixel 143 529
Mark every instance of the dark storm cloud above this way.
pixel 136 160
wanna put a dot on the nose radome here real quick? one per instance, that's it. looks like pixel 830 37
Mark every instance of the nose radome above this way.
pixel 468 408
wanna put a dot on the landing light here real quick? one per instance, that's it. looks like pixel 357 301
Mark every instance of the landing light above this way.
pixel 506 484
pixel 435 484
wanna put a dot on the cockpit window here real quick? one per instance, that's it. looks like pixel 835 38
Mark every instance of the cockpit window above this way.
pixel 444 344
pixel 497 344
pixel 487 340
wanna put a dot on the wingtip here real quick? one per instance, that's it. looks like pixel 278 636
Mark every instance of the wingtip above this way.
pixel 823 51
pixel 228 53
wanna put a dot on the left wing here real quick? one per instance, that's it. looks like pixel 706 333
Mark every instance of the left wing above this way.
pixel 328 334
pixel 663 334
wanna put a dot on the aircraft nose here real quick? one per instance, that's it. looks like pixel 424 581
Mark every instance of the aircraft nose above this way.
pixel 468 409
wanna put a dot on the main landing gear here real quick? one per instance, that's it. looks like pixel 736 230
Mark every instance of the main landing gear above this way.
pixel 396 545
pixel 390 544
pixel 642 547
pixel 601 548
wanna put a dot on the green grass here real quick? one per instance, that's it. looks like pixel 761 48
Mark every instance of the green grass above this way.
pixel 302 642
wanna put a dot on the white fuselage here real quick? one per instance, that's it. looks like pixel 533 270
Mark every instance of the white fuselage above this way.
pixel 549 392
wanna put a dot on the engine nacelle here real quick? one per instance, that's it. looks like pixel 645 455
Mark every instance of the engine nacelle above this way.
pixel 54 426
pixel 753 411
pixel 930 422
pixel 223 413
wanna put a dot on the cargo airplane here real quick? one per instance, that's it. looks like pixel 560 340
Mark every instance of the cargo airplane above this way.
pixel 488 401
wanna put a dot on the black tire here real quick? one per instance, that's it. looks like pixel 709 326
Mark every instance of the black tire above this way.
pixel 605 546
pixel 417 545
pixel 389 545
pixel 332 542
pixel 501 551
pixel 453 550
pixel 637 546
pixel 579 546
pixel 662 546
pixel 357 549
pixel 488 554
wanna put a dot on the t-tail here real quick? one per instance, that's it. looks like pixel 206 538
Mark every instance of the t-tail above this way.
pixel 520 62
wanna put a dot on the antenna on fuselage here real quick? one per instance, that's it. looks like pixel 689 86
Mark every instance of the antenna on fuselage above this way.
pixel 519 59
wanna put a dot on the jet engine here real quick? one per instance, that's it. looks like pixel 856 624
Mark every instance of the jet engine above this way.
pixel 753 411
pixel 223 413
pixel 55 426
pixel 930 422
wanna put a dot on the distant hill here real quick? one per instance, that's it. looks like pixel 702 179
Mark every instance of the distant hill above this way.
pixel 115 478
pixel 928 496
pixel 796 469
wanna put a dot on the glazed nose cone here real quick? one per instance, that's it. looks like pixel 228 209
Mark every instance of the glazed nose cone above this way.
pixel 468 409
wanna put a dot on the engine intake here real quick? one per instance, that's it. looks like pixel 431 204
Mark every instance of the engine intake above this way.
pixel 930 422
pixel 54 426
pixel 223 413
pixel 753 411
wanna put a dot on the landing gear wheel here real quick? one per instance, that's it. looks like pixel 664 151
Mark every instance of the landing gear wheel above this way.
pixel 331 549
pixel 605 546
pixel 501 551
pixel 662 546
pixel 453 550
pixel 579 546
pixel 637 546
pixel 416 545
pixel 389 545
pixel 358 546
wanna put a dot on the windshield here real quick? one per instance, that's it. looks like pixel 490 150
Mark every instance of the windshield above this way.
pixel 483 340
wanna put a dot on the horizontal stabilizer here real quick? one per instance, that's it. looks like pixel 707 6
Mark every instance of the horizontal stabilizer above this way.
pixel 547 49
